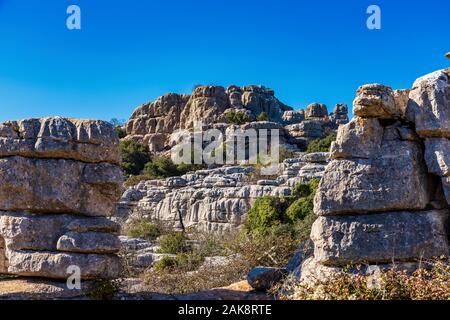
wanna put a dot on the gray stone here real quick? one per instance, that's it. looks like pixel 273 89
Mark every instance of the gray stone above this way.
pixel 394 180
pixel 437 156
pixel 380 238
pixel 361 138
pixel 88 242
pixel 375 101
pixel 59 186
pixel 430 105
pixel 262 278
pixel 55 265
pixel 84 140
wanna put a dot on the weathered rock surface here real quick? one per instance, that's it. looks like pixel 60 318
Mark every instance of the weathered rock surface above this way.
pixel 90 141
pixel 59 186
pixel 375 101
pixel 154 122
pixel 380 238
pixel 59 178
pixel 390 167
pixel 394 179
pixel 429 105
pixel 55 264
pixel 215 200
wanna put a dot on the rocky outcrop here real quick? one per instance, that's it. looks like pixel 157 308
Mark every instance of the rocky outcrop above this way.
pixel 214 200
pixel 384 198
pixel 60 181
pixel 154 122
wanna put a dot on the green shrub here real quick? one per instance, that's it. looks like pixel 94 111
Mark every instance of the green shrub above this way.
pixel 263 117
pixel 306 189
pixel 266 213
pixel 143 229
pixel 165 263
pixel 237 117
pixel 162 167
pixel 274 214
pixel 103 289
pixel 299 209
pixel 173 243
pixel 134 156
pixel 321 145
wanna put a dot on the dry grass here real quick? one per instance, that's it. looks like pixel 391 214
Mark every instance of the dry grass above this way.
pixel 431 283
pixel 247 253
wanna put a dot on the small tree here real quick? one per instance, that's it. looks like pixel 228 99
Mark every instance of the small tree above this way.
pixel 134 156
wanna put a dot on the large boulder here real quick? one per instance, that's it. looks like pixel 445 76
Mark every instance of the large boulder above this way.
pixel 316 110
pixel 59 186
pixel 393 179
pixel 429 105
pixel 375 101
pixel 380 238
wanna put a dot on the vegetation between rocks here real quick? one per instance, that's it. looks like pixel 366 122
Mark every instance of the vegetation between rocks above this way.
pixel 321 145
pixel 431 282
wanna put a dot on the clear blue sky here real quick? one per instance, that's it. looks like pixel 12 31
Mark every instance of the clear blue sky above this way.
pixel 130 52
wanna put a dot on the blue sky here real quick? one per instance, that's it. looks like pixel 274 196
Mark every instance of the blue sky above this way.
pixel 130 52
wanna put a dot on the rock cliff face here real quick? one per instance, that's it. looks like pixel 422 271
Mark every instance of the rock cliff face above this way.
pixel 152 123
pixel 384 197
pixel 60 180
pixel 215 200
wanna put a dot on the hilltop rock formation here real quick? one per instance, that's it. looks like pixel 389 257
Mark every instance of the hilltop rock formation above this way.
pixel 384 197
pixel 154 122
pixel 60 180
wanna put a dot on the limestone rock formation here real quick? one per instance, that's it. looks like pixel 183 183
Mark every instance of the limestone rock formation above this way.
pixel 383 200
pixel 316 110
pixel 340 114
pixel 154 122
pixel 60 180
pixel 214 200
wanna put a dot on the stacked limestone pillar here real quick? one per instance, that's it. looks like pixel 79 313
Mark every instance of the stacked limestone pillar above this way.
pixel 384 199
pixel 59 181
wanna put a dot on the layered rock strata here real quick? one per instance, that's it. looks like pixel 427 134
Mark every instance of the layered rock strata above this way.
pixel 384 198
pixel 215 200
pixel 60 181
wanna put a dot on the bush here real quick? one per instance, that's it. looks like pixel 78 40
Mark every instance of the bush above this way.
pixel 173 243
pixel 143 229
pixel 268 213
pixel 265 214
pixel 134 156
pixel 299 209
pixel 263 117
pixel 161 167
pixel 103 289
pixel 165 263
pixel 237 117
pixel 271 250
pixel 321 145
